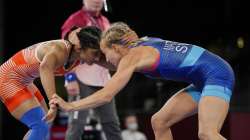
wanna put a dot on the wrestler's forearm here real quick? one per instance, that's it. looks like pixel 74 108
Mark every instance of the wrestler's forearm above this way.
pixel 48 81
pixel 105 95
pixel 97 99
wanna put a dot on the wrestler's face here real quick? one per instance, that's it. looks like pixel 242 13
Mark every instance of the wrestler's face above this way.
pixel 90 55
pixel 112 53
pixel 93 5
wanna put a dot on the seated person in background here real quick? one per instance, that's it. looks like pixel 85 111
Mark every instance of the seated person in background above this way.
pixel 131 132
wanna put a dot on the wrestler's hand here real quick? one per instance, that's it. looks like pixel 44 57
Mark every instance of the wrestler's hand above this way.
pixel 65 106
pixel 51 114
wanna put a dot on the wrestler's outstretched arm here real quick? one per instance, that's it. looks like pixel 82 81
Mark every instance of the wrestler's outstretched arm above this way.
pixel 126 68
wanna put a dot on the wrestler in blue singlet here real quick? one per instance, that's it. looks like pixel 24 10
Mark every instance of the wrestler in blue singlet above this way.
pixel 208 74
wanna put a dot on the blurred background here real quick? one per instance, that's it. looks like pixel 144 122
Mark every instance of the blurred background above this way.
pixel 221 26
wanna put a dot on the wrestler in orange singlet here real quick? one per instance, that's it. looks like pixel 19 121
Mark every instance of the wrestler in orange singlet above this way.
pixel 47 59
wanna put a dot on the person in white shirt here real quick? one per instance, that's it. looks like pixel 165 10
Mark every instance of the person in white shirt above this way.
pixel 131 132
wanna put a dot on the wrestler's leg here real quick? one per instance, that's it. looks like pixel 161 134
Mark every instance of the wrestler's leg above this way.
pixel 178 107
pixel 215 100
pixel 25 108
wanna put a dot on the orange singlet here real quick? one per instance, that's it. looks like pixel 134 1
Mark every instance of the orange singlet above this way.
pixel 17 75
